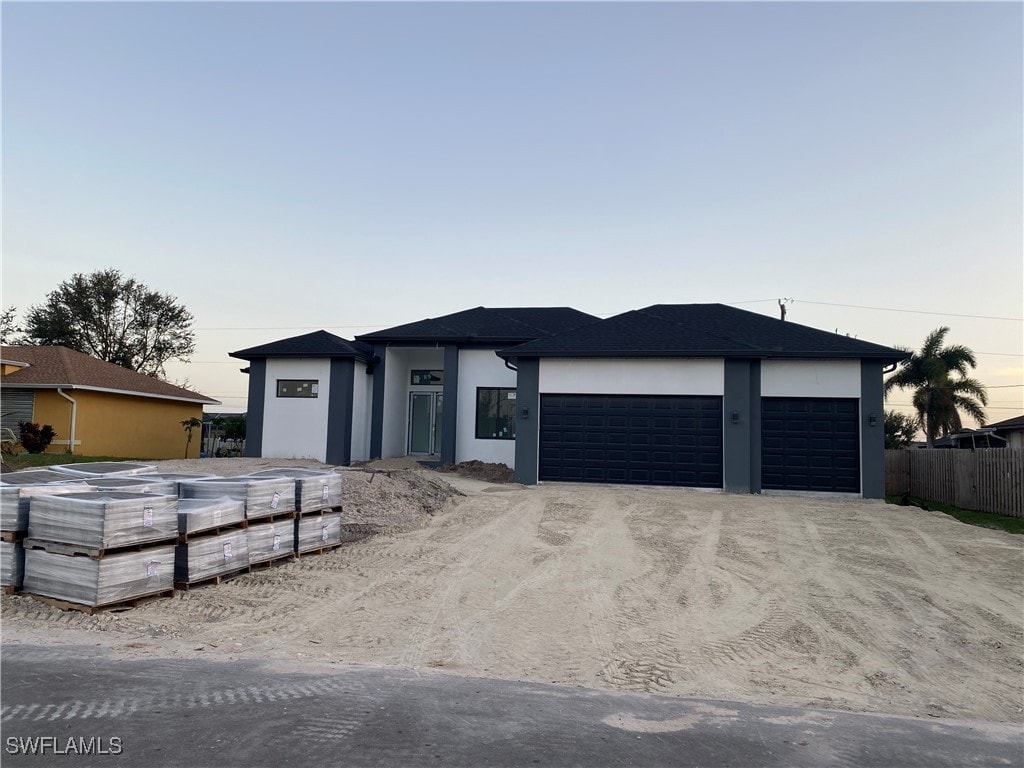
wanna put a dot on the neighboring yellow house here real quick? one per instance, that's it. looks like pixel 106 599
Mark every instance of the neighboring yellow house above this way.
pixel 97 408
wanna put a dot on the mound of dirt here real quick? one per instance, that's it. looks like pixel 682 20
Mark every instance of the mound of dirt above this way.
pixel 480 470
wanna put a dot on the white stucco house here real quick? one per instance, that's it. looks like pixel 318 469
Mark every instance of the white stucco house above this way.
pixel 700 395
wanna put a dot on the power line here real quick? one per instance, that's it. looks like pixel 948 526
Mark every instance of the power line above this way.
pixel 912 311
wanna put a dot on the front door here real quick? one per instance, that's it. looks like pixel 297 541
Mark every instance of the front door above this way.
pixel 425 422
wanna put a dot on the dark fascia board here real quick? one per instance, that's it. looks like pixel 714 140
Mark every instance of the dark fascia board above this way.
pixel 362 357
pixel 464 341
pixel 882 357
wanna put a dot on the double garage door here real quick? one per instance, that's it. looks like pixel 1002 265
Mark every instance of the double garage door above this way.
pixel 807 444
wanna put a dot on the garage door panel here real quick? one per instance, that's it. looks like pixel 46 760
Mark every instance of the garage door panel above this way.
pixel 810 444
pixel 651 440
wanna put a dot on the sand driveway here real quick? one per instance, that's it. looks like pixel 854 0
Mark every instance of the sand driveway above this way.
pixel 844 604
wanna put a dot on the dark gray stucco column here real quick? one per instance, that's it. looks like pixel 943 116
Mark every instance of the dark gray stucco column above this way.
pixel 254 409
pixel 377 406
pixel 527 420
pixel 339 412
pixel 872 436
pixel 450 412
pixel 755 426
pixel 736 429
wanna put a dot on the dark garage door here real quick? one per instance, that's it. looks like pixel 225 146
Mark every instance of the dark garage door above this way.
pixel 810 444
pixel 651 440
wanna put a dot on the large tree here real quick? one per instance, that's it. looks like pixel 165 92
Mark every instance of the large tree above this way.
pixel 942 389
pixel 10 331
pixel 114 318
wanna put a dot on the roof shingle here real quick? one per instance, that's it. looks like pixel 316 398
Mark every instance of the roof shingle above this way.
pixel 50 367
pixel 315 344
pixel 483 324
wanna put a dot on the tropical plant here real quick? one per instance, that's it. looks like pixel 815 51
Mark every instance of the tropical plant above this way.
pixel 189 425
pixel 34 438
pixel 938 376
pixel 900 429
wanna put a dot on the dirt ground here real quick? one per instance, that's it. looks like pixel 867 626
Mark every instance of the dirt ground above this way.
pixel 842 604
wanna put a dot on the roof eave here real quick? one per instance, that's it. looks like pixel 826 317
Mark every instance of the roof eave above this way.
pixel 199 399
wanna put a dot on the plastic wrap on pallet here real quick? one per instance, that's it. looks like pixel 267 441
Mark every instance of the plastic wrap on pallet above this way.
pixel 316 531
pixel 12 563
pixel 314 489
pixel 103 519
pixel 110 579
pixel 15 501
pixel 175 477
pixel 99 468
pixel 262 496
pixel 210 556
pixel 202 514
pixel 133 484
pixel 270 540
pixel 39 476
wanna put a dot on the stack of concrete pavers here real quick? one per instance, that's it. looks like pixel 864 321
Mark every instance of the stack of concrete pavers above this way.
pixel 212 541
pixel 16 492
pixel 318 504
pixel 101 547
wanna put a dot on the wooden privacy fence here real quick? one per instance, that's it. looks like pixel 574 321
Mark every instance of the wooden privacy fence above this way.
pixel 984 480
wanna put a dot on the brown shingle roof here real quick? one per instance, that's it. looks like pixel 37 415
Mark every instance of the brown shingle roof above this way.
pixel 62 367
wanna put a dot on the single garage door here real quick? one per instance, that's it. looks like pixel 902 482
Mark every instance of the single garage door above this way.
pixel 650 440
pixel 810 444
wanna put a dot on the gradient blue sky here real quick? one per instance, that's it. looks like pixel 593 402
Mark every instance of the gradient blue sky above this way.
pixel 287 167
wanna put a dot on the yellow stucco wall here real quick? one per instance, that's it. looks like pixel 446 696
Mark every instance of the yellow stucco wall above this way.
pixel 119 425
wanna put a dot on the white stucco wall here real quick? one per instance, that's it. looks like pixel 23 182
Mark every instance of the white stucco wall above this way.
pixel 481 368
pixel 810 378
pixel 400 361
pixel 296 427
pixel 632 377
pixel 362 396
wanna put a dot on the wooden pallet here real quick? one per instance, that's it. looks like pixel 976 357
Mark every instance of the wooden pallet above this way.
pixel 120 605
pixel 262 565
pixel 321 511
pixel 220 578
pixel 95 553
pixel 10 589
pixel 274 518
pixel 318 550
pixel 238 525
pixel 12 536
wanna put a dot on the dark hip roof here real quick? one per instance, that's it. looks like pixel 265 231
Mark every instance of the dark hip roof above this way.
pixel 484 325
pixel 315 344
pixel 700 330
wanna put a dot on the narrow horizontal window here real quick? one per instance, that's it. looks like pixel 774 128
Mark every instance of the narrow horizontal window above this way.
pixel 298 387
pixel 495 413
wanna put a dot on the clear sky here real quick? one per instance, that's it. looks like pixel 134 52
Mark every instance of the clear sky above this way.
pixel 282 168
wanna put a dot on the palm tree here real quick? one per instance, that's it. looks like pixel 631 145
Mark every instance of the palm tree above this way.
pixel 942 388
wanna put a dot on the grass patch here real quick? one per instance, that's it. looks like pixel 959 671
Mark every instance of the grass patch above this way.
pixel 980 519
pixel 32 460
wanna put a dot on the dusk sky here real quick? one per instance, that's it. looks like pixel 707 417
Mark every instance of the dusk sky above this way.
pixel 282 168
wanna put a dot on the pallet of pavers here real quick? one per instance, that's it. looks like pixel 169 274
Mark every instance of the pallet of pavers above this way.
pixel 271 543
pixel 315 489
pixel 263 497
pixel 212 558
pixel 96 522
pixel 199 517
pixel 317 533
pixel 89 584
pixel 16 490
pixel 12 566
pixel 100 468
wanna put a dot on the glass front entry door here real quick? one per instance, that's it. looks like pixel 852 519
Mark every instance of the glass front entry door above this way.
pixel 425 422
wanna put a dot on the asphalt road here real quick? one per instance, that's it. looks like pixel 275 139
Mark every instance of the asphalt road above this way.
pixel 64 702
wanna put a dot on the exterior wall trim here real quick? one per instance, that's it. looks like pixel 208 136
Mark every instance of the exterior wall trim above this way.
pixel 254 411
pixel 339 412
pixel 527 420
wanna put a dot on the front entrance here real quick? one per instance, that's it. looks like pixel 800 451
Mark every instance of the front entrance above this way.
pixel 425 422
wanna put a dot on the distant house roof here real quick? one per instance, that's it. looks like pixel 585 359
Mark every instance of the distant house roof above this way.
pixel 700 330
pixel 315 344
pixel 487 325
pixel 972 438
pixel 1017 422
pixel 53 367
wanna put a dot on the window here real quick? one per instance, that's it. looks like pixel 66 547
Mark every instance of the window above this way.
pixel 418 378
pixel 298 387
pixel 495 413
